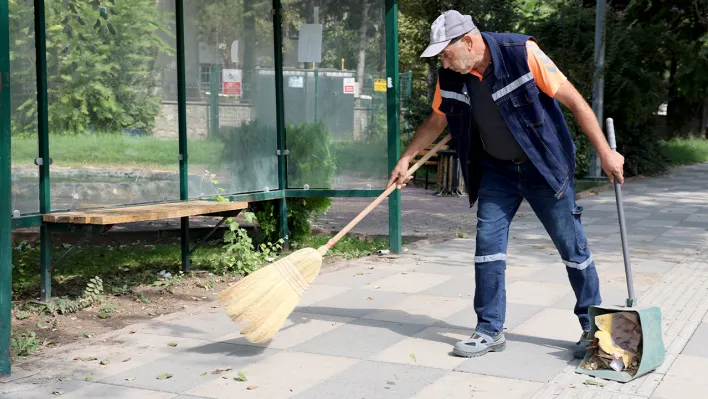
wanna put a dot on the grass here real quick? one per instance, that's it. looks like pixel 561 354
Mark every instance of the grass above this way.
pixel 125 266
pixel 685 151
pixel 114 150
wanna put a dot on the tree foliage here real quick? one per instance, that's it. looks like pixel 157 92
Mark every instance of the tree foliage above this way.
pixel 101 62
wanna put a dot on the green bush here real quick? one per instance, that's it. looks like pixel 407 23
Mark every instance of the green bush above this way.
pixel 311 162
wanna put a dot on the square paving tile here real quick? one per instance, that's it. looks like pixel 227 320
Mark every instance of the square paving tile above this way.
pixel 282 375
pixel 319 292
pixel 534 293
pixel 697 344
pixel 555 324
pixel 458 287
pixel 204 326
pixel 431 347
pixel 187 367
pixel 412 282
pixel 685 379
pixel 353 303
pixel 105 391
pixel 359 339
pixel 374 380
pixel 525 358
pixel 465 385
pixel 467 318
pixel 354 277
pixel 420 309
pixel 298 328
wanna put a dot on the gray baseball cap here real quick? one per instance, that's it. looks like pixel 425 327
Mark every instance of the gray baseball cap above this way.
pixel 447 27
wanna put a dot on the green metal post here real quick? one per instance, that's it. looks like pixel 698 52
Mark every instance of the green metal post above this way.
pixel 5 192
pixel 394 128
pixel 280 118
pixel 43 160
pixel 182 120
pixel 214 88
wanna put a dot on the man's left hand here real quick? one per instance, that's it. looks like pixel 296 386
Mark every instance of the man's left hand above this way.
pixel 613 165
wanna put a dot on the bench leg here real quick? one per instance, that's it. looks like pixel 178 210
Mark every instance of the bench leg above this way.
pixel 185 244
pixel 45 263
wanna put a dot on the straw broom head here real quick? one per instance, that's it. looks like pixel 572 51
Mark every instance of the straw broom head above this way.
pixel 265 298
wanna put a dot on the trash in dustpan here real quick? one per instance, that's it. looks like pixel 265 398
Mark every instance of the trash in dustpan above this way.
pixel 626 341
pixel 616 343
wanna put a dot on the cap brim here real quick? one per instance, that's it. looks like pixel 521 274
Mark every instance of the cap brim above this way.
pixel 435 49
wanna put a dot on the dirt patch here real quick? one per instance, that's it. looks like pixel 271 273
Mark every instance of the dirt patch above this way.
pixel 141 304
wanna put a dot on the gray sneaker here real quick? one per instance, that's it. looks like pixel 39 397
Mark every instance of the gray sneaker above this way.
pixel 479 344
pixel 582 345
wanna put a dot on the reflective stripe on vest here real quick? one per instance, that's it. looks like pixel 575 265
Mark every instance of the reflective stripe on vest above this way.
pixel 455 96
pixel 512 86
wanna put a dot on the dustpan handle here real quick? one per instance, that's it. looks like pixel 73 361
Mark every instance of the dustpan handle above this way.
pixel 631 300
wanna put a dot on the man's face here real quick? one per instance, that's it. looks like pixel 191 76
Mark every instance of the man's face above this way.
pixel 461 56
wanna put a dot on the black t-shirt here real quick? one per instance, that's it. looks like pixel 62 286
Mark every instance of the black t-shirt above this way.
pixel 496 136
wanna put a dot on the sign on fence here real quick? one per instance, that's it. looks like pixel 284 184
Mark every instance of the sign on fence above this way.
pixel 232 81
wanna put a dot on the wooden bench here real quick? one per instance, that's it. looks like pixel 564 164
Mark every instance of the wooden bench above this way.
pixel 432 161
pixel 100 221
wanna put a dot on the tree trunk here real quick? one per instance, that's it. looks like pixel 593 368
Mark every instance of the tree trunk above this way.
pixel 361 62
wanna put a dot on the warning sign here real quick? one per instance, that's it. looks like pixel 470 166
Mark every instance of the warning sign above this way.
pixel 232 82
pixel 349 84
pixel 380 85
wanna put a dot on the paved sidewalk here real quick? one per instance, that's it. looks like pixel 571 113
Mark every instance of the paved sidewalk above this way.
pixel 384 327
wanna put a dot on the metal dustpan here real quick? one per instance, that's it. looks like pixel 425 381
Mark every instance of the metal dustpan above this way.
pixel 651 351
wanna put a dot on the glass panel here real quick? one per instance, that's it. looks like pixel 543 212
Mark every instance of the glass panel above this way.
pixel 231 115
pixel 112 134
pixel 23 99
pixel 335 98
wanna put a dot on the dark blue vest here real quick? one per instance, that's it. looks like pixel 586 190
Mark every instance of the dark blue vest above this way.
pixel 534 118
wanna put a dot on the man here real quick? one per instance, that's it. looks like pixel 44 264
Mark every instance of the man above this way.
pixel 498 94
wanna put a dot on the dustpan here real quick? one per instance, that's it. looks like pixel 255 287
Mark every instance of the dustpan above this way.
pixel 651 351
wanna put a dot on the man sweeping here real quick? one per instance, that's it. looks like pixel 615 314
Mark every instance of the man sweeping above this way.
pixel 498 94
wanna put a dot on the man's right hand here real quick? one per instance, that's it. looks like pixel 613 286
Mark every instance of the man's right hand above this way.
pixel 398 175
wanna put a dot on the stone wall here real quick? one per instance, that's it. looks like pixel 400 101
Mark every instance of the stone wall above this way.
pixel 166 124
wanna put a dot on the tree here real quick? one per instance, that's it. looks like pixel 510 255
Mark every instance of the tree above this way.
pixel 100 64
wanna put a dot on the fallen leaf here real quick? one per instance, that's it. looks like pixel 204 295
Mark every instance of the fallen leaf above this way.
pixel 105 362
pixel 127 360
pixel 360 274
pixel 221 370
pixel 132 332
pixel 593 382
pixel 130 378
pixel 370 298
pixel 376 287
pixel 58 393
pixel 172 344
pixel 102 316
pixel 88 359
pixel 164 376
pixel 412 355
pixel 252 387
pixel 241 376
pixel 88 379
pixel 203 374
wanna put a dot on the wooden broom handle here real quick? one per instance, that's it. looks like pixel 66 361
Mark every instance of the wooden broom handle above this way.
pixel 386 193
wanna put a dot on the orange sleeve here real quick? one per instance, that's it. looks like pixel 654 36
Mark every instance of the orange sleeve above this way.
pixel 437 99
pixel 546 74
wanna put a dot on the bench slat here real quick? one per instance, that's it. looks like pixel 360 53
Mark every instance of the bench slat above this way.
pixel 144 213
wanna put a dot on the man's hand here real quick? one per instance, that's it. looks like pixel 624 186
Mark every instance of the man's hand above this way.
pixel 398 175
pixel 426 134
pixel 613 165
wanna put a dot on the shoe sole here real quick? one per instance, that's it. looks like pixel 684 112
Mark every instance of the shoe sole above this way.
pixel 492 348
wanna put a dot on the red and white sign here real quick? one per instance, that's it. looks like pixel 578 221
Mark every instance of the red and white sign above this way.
pixel 232 81
pixel 349 84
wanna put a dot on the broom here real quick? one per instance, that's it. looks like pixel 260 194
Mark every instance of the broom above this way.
pixel 265 298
